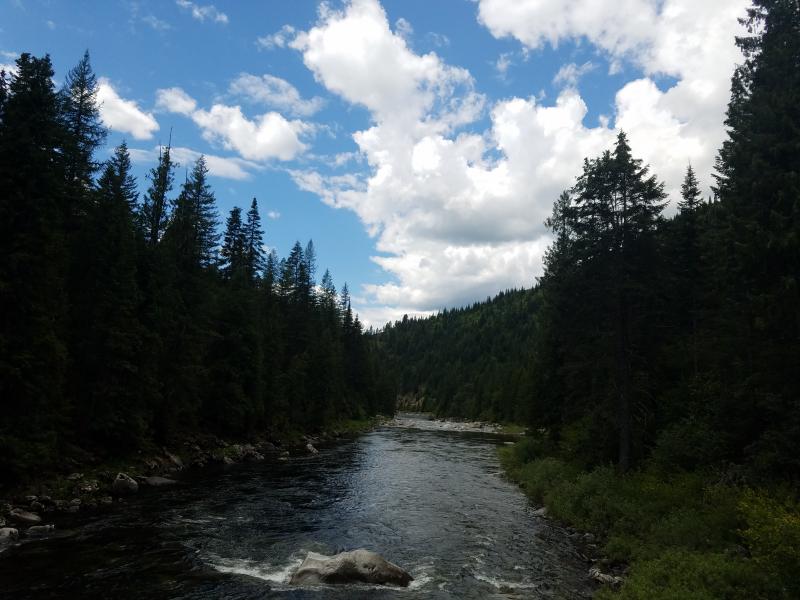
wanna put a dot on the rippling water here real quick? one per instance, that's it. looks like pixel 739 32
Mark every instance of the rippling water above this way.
pixel 426 497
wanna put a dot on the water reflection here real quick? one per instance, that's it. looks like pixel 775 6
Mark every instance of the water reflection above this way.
pixel 428 498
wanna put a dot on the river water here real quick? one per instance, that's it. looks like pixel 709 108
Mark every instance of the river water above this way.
pixel 426 497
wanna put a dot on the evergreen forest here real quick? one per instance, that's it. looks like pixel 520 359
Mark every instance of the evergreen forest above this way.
pixel 131 315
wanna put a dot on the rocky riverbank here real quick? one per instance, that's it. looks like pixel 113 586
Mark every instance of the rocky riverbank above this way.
pixel 33 511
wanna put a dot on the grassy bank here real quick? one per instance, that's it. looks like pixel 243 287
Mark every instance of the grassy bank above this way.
pixel 683 535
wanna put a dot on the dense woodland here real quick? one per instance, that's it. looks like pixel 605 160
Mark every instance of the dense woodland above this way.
pixel 671 338
pixel 128 319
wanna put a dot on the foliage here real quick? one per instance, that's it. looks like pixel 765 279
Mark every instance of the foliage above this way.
pixel 120 327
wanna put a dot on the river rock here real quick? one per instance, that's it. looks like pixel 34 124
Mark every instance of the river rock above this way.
pixel 23 516
pixel 39 530
pixel 540 512
pixel 124 485
pixel 8 535
pixel 156 481
pixel 604 578
pixel 176 461
pixel 311 449
pixel 356 566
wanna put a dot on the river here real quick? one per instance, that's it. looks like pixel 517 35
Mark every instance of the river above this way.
pixel 427 497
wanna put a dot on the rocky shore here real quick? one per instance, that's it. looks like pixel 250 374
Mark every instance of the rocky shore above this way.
pixel 34 510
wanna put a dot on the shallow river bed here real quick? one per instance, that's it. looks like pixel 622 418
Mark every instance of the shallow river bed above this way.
pixel 428 497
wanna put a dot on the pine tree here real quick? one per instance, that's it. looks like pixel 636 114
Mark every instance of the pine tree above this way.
pixel 3 93
pixel 690 192
pixel 310 255
pixel 758 251
pixel 254 244
pixel 107 353
pixel 155 210
pixel 33 357
pixel 617 204
pixel 193 230
pixel 85 132
pixel 271 272
pixel 234 246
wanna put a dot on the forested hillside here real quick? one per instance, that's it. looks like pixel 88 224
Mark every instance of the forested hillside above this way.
pixel 672 337
pixel 656 360
pixel 471 362
pixel 127 318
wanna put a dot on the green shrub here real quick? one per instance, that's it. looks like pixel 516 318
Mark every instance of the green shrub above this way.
pixel 772 534
pixel 544 474
pixel 683 575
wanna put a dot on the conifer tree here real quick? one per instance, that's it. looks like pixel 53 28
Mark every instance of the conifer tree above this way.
pixel 254 244
pixel 84 131
pixel 193 230
pixel 33 356
pixel 234 250
pixel 107 353
pixel 155 209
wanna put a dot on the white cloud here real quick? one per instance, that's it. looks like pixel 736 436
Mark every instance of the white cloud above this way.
pixel 438 39
pixel 201 13
pixel 570 74
pixel 51 25
pixel 155 23
pixel 267 136
pixel 502 65
pixel 274 215
pixel 225 167
pixel 690 41
pixel 356 55
pixel 175 100
pixel 279 39
pixel 275 92
pixel 403 28
pixel 123 115
pixel 457 215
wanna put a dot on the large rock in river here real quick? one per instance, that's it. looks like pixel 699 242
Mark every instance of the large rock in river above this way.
pixel 23 516
pixel 356 566
pixel 124 485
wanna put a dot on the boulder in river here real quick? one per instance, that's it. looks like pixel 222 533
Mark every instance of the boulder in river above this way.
pixel 8 535
pixel 356 566
pixel 39 530
pixel 124 485
pixel 310 448
pixel 23 516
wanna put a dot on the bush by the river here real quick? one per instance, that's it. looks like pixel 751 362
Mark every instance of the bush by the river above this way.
pixel 684 534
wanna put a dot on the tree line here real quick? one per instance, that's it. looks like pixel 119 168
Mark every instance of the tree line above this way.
pixel 127 321
pixel 675 339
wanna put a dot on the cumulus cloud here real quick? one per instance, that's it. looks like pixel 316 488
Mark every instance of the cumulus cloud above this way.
pixel 123 115
pixel 570 74
pixel 274 92
pixel 274 215
pixel 689 41
pixel 264 137
pixel 279 39
pixel 403 28
pixel 457 214
pixel 201 13
pixel 175 100
pixel 225 167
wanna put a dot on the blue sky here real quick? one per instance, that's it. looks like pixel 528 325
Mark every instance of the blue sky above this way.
pixel 420 144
